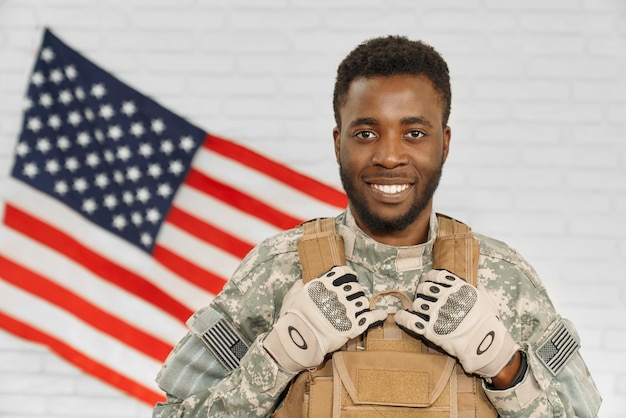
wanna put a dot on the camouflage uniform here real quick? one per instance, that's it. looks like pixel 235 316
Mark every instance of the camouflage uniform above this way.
pixel 250 383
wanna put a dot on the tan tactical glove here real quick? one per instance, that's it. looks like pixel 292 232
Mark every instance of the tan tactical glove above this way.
pixel 462 320
pixel 318 318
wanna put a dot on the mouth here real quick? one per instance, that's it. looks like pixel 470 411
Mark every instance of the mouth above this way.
pixel 390 189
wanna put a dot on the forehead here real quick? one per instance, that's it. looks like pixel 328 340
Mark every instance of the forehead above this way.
pixel 415 94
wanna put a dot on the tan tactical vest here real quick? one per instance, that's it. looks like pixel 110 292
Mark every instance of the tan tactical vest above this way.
pixel 387 372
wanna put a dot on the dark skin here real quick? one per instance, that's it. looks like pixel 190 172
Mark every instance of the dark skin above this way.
pixel 391 146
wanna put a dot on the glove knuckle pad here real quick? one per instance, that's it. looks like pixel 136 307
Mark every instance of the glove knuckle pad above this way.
pixel 329 305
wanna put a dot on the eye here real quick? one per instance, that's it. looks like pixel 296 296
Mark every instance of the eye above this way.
pixel 415 134
pixel 365 135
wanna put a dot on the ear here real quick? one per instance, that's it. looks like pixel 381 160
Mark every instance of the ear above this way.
pixel 447 134
pixel 337 141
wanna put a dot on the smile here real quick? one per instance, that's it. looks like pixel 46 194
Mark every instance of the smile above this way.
pixel 390 188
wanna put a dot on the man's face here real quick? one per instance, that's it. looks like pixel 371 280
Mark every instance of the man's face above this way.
pixel 391 147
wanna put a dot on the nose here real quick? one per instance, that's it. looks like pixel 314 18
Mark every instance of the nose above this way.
pixel 389 153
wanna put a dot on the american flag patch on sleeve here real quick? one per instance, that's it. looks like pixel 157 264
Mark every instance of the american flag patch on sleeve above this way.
pixel 225 344
pixel 558 348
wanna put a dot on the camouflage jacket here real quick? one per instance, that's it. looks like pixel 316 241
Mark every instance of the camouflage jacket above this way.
pixel 220 369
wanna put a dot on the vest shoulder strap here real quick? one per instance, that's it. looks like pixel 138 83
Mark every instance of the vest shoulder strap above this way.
pixel 456 249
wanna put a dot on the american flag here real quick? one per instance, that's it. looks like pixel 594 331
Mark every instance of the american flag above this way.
pixel 122 218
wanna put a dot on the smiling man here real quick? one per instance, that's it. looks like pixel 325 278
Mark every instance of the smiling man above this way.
pixel 510 348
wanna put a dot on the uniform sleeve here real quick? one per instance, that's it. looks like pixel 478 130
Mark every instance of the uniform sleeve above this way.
pixel 557 382
pixel 250 390
pixel 220 368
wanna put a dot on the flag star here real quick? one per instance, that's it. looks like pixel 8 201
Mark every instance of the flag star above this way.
pixel 52 166
pixel 22 149
pixel 74 118
pixel 45 100
pixel 155 171
pixel 118 176
pixel 137 129
pixel 176 167
pixel 61 187
pixel 83 139
pixel 133 174
pixel 99 135
pixel 167 147
pixel 56 76
pixel 30 170
pixel 109 156
pixel 89 205
pixel 145 150
pixel 80 185
pixel 143 195
pixel 43 145
pixel 47 54
pixel 123 153
pixel 89 114
pixel 101 180
pixel 92 160
pixel 27 103
pixel 34 124
pixel 128 108
pixel 157 126
pixel 80 93
pixel 128 198
pixel 106 111
pixel 146 239
pixel 119 222
pixel 136 218
pixel 98 91
pixel 63 143
pixel 70 72
pixel 115 132
pixel 54 121
pixel 65 97
pixel 153 215
pixel 110 201
pixel 187 143
pixel 164 190
pixel 37 78
pixel 72 164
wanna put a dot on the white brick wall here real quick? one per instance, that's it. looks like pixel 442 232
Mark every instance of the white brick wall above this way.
pixel 539 132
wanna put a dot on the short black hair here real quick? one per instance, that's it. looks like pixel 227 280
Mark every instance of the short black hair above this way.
pixel 388 56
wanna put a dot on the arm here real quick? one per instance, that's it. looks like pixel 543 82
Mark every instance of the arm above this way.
pixel 247 381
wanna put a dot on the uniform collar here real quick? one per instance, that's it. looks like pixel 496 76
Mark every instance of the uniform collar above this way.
pixel 362 249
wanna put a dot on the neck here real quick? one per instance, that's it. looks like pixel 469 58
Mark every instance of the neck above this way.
pixel 414 234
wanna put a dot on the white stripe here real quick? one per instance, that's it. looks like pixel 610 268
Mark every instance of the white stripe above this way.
pixel 82 282
pixel 227 218
pixel 79 335
pixel 106 244
pixel 200 253
pixel 260 186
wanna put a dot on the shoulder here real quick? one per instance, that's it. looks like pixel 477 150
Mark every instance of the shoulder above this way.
pixel 275 258
pixel 498 256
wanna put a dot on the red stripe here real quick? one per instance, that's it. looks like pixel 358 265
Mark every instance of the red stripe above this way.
pixel 32 282
pixel 81 360
pixel 188 270
pixel 208 233
pixel 235 198
pixel 277 171
pixel 102 267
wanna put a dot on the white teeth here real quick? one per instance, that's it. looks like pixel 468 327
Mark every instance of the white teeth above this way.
pixel 390 188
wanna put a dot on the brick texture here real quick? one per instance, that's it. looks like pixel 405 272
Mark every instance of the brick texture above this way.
pixel 538 155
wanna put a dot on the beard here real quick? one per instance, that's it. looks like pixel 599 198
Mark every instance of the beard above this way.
pixel 373 221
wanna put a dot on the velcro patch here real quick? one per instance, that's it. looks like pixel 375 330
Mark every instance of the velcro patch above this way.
pixel 558 348
pixel 225 344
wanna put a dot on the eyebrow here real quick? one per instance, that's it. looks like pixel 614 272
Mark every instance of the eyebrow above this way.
pixel 407 120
